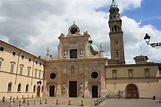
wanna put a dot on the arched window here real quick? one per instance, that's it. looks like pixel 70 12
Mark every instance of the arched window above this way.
pixel 19 87
pixel 27 87
pixel 115 28
pixel 34 89
pixel 9 86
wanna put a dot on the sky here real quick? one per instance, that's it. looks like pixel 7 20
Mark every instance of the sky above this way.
pixel 34 25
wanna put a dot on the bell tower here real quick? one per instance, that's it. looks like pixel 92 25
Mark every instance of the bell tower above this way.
pixel 116 34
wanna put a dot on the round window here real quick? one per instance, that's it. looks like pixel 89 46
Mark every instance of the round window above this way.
pixel 94 74
pixel 73 30
pixel 52 75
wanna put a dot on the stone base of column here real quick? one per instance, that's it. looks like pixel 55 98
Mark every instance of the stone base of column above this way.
pixel 58 93
pixel 86 94
pixel 81 94
pixel 103 93
pixel 44 94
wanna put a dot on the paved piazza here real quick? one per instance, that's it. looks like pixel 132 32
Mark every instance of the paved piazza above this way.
pixel 89 102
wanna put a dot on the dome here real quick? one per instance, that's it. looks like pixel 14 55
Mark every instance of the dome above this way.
pixel 94 47
pixel 114 5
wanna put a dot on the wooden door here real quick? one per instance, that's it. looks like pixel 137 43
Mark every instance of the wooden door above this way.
pixel 132 92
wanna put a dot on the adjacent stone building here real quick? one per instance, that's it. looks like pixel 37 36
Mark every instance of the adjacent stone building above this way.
pixel 21 73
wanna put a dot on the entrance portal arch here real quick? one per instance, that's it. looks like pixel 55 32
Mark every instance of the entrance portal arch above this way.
pixel 132 91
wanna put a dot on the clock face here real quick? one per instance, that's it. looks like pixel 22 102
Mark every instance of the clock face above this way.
pixel 73 30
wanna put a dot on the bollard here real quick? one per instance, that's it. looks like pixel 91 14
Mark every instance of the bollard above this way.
pixel 57 101
pixel 32 96
pixel 10 97
pixel 17 97
pixel 13 99
pixel 40 101
pixel 34 101
pixel 20 103
pixel 3 99
pixel 82 102
pixel 95 102
pixel 28 101
pixel 24 100
pixel 69 102
pixel 46 100
pixel 11 102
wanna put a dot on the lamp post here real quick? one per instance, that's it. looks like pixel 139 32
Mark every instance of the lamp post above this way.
pixel 147 40
pixel 38 88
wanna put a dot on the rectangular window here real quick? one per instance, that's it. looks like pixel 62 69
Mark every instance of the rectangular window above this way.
pixel 14 53
pixel 21 69
pixel 22 57
pixel 147 74
pixel 130 74
pixel 114 74
pixel 1 48
pixel 12 67
pixel 39 74
pixel 73 53
pixel 35 73
pixel 42 75
pixel 28 72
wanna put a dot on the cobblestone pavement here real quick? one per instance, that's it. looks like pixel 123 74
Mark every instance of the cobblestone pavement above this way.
pixel 130 103
pixel 88 102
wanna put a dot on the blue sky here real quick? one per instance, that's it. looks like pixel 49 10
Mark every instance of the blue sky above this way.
pixel 148 13
pixel 47 19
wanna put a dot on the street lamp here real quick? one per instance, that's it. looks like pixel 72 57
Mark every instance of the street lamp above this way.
pixel 39 82
pixel 147 40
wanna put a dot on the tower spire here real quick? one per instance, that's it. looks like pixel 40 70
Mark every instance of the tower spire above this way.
pixel 114 4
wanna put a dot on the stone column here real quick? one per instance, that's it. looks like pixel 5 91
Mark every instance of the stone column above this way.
pixel 58 91
pixel 45 91
pixel 44 94
pixel 103 81
pixel 86 92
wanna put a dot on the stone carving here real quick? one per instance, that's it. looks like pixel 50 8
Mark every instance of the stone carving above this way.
pixel 72 70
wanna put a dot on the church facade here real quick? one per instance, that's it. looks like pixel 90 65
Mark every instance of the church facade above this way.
pixel 80 70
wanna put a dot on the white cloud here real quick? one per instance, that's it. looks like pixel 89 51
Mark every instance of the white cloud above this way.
pixel 36 25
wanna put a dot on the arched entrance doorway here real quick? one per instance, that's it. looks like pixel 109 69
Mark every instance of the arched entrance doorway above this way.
pixel 132 91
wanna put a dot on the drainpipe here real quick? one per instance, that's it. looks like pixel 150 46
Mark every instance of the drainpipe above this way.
pixel 17 65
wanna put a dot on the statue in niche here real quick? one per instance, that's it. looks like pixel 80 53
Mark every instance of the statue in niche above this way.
pixel 81 52
pixel 65 53
pixel 72 70
pixel 64 86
